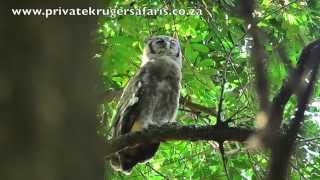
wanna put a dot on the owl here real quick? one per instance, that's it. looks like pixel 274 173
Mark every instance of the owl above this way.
pixel 151 98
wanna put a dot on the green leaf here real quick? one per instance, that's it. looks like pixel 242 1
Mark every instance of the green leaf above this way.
pixel 200 47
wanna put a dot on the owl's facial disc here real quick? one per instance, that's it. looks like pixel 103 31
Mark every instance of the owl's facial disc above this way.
pixel 163 45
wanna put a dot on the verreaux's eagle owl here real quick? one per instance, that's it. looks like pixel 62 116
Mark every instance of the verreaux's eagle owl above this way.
pixel 150 98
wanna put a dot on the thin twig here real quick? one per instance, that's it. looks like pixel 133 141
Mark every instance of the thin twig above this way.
pixel 220 105
pixel 308 140
pixel 156 171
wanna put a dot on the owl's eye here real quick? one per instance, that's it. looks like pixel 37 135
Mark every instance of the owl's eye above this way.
pixel 160 41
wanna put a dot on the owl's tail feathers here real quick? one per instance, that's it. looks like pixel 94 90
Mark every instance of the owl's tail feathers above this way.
pixel 140 154
pixel 128 158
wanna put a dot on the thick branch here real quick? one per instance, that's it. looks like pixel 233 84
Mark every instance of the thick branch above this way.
pixel 282 151
pixel 258 54
pixel 306 63
pixel 173 132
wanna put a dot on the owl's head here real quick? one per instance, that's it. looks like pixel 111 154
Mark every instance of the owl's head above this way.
pixel 160 46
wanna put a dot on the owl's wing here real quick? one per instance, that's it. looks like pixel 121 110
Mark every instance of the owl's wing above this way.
pixel 121 124
pixel 125 120
pixel 130 96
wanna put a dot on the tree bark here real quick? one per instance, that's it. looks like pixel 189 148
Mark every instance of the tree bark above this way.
pixel 172 132
pixel 47 95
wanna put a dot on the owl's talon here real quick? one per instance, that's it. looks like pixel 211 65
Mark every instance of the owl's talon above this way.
pixel 173 124
pixel 152 126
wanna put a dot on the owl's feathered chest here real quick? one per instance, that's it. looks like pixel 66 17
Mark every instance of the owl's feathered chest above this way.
pixel 162 69
pixel 152 95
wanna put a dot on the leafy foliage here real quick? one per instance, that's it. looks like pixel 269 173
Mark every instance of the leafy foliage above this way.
pixel 215 46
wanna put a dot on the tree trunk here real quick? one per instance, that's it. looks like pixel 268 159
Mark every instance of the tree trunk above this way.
pixel 47 95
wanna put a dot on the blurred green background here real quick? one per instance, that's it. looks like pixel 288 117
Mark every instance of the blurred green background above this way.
pixel 214 44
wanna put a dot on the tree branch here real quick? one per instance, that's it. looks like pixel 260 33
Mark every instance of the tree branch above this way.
pixel 194 107
pixel 293 83
pixel 110 95
pixel 258 54
pixel 172 132
pixel 282 151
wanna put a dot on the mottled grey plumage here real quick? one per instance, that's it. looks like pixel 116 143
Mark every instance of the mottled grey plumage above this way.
pixel 150 98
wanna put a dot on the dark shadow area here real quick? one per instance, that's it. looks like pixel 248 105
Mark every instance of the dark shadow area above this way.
pixel 47 95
